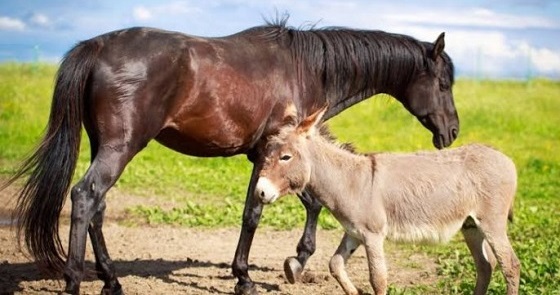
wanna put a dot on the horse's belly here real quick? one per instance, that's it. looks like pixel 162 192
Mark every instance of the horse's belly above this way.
pixel 204 144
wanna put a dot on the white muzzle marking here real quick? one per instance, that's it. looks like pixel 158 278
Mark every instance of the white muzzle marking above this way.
pixel 266 191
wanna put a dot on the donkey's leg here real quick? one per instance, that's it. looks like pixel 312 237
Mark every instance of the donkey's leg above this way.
pixel 489 254
pixel 251 217
pixel 484 258
pixel 87 195
pixel 338 262
pixel 103 263
pixel 376 262
pixel 496 235
pixel 293 266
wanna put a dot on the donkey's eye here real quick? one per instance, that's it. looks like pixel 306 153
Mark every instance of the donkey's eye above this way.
pixel 285 157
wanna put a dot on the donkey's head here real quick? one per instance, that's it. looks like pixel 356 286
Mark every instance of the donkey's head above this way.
pixel 284 165
pixel 429 95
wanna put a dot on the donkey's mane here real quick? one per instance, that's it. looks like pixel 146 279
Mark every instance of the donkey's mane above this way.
pixel 353 63
pixel 324 134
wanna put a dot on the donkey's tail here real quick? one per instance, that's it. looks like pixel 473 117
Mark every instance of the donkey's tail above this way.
pixel 50 168
pixel 510 214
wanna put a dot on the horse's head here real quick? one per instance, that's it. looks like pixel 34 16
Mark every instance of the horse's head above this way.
pixel 284 165
pixel 429 96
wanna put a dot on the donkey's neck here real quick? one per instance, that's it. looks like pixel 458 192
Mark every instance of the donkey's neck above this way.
pixel 337 174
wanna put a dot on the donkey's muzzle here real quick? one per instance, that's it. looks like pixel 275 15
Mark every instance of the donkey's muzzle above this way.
pixel 266 191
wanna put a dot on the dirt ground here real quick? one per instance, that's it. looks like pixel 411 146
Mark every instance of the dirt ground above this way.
pixel 179 260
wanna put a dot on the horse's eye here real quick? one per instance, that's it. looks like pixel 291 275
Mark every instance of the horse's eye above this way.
pixel 444 86
pixel 285 157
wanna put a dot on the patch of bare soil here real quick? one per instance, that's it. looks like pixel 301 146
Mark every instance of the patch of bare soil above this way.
pixel 178 260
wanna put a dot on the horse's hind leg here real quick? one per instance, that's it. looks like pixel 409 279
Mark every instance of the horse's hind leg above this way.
pixel 103 263
pixel 484 258
pixel 293 266
pixel 87 202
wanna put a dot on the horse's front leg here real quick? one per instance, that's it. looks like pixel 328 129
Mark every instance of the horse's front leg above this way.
pixel 251 217
pixel 293 266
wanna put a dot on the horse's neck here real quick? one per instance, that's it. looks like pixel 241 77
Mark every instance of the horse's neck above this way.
pixel 363 88
pixel 339 105
pixel 339 101
pixel 337 173
pixel 350 67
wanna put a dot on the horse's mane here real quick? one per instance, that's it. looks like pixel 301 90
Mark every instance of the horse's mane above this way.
pixel 352 62
pixel 371 57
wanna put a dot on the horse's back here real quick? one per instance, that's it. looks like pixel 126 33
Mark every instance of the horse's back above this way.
pixel 198 96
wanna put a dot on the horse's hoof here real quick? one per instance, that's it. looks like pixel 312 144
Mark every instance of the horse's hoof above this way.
pixel 117 290
pixel 246 289
pixel 293 270
pixel 71 289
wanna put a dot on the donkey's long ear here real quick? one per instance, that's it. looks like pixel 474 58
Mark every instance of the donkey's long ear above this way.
pixel 439 44
pixel 310 124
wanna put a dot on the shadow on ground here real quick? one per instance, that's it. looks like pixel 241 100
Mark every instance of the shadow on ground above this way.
pixel 12 274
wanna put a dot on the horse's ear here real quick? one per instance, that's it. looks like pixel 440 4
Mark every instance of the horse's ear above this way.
pixel 310 124
pixel 439 44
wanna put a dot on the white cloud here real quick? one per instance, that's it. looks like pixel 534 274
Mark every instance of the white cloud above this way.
pixel 11 24
pixel 473 17
pixel 545 60
pixel 493 54
pixel 141 13
pixel 41 20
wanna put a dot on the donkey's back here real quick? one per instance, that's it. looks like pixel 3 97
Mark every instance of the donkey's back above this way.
pixel 428 196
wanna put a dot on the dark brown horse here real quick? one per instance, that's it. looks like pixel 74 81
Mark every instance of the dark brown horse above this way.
pixel 207 97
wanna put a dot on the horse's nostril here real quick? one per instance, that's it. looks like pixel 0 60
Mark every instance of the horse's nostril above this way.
pixel 454 133
pixel 262 193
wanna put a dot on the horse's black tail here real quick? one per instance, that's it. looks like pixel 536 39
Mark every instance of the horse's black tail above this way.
pixel 51 167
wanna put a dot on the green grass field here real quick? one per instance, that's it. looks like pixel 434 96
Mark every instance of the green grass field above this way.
pixel 522 119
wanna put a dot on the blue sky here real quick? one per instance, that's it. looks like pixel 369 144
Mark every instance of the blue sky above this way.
pixel 486 39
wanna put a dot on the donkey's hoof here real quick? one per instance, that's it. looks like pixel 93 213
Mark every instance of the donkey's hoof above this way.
pixel 293 270
pixel 246 289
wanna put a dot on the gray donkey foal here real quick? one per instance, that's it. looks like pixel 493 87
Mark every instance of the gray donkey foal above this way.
pixel 424 196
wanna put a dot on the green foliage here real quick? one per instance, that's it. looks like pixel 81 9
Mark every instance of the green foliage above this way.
pixel 519 118
pixel 24 103
pixel 190 214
